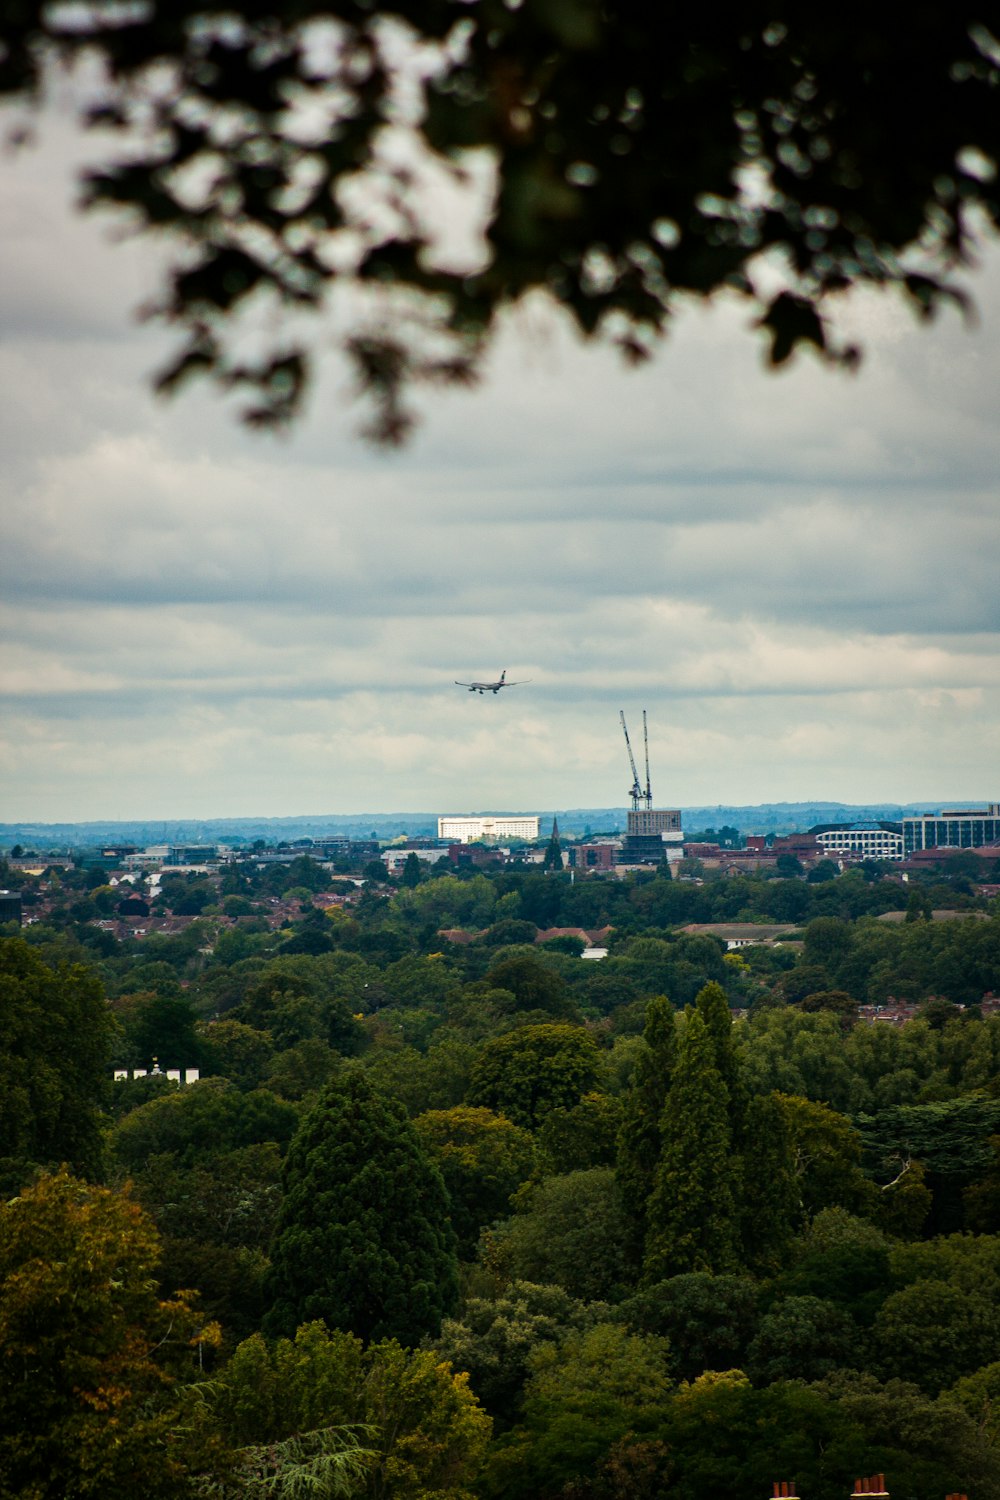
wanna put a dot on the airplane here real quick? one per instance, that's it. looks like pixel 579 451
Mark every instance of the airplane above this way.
pixel 491 687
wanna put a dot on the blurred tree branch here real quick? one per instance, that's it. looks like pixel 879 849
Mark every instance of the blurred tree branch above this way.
pixel 617 156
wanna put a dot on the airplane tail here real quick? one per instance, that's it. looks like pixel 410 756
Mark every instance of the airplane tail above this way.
pixel 503 674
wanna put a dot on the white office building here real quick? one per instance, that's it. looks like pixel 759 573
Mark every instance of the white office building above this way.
pixel 461 830
pixel 862 840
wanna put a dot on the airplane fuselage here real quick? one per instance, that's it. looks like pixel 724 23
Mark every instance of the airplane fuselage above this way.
pixel 488 687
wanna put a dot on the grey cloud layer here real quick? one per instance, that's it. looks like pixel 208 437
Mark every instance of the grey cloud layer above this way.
pixel 797 575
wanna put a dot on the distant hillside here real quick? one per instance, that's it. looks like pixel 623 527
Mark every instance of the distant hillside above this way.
pixel 768 817
pixel 216 830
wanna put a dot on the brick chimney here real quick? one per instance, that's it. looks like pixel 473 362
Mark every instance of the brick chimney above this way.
pixel 864 1489
pixel 784 1491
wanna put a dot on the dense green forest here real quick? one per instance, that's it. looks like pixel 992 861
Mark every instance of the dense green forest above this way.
pixel 483 1218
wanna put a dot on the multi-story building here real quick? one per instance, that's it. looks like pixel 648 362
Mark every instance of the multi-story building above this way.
pixel 177 856
pixel 802 845
pixel 466 830
pixel 150 858
pixel 318 849
pixel 191 854
pixel 10 907
pixel 395 859
pixel 652 834
pixel 662 821
pixel 477 856
pixel 961 829
pixel 594 856
pixel 866 840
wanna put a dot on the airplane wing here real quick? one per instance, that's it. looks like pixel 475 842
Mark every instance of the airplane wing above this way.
pixel 489 687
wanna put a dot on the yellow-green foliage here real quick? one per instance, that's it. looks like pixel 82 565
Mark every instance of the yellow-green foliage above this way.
pixel 425 1430
pixel 90 1355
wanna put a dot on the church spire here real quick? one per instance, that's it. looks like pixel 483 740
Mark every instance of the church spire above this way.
pixel 553 855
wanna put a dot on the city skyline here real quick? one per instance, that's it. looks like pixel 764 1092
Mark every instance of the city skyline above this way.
pixel 794 574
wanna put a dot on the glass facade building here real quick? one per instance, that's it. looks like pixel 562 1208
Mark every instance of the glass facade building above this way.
pixel 964 829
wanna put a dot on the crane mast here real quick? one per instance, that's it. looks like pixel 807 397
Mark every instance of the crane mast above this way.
pixel 648 796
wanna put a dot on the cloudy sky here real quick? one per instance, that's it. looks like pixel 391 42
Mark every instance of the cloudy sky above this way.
pixel 796 576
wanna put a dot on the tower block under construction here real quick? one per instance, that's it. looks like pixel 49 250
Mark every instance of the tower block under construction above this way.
pixel 653 833
pixel 659 821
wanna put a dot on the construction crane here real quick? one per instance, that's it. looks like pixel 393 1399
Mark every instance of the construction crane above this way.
pixel 645 742
pixel 639 797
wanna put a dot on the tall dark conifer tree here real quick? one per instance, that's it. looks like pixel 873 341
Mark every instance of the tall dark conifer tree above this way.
pixel 704 1169
pixel 692 1216
pixel 762 1180
pixel 712 1005
pixel 639 1140
pixel 363 1239
pixel 769 1210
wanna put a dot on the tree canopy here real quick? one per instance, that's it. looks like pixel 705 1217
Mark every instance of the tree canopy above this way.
pixel 363 1239
pixel 482 1159
pixel 797 1252
pixel 617 156
pixel 89 1350
pixel 55 1040
pixel 526 1073
pixel 422 1429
